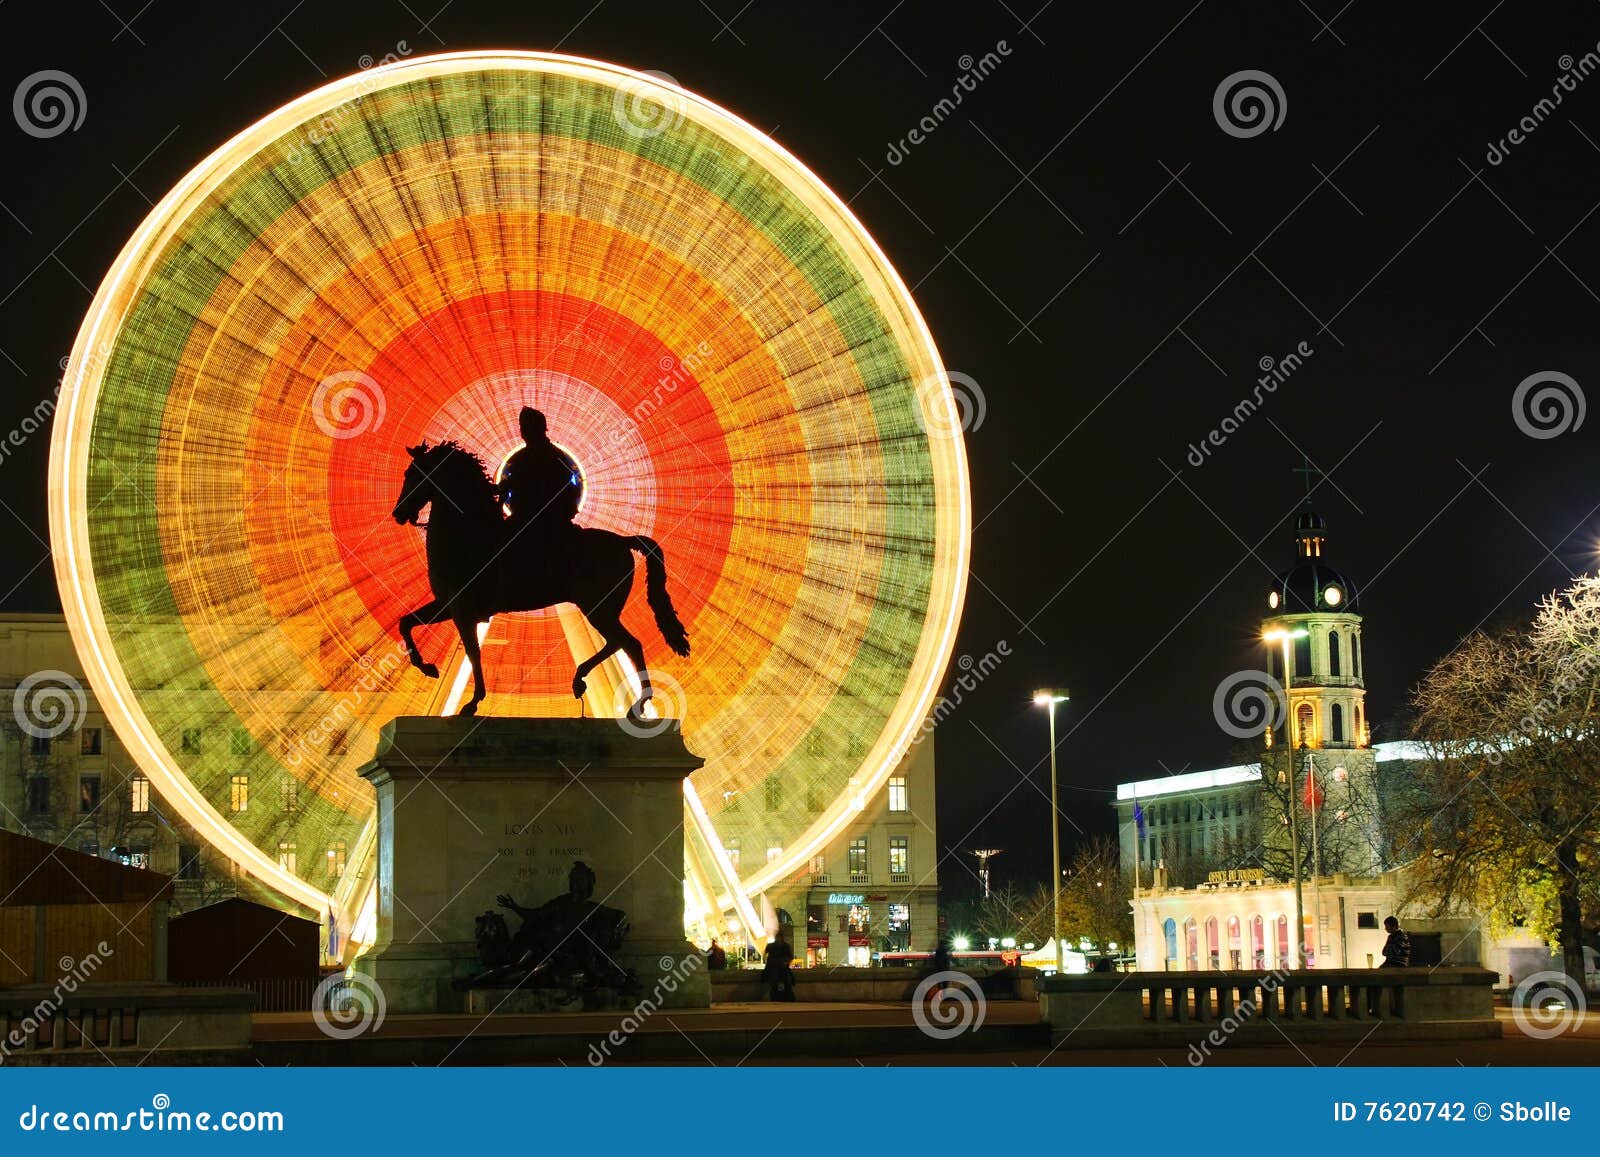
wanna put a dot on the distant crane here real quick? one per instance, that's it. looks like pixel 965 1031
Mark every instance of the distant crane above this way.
pixel 984 856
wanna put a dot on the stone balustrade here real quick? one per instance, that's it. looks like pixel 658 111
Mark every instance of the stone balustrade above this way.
pixel 101 1024
pixel 1154 1008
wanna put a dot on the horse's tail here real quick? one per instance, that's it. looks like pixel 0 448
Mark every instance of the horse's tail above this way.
pixel 655 593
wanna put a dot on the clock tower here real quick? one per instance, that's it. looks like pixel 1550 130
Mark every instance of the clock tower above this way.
pixel 1318 751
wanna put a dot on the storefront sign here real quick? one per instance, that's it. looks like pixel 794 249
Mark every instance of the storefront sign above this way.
pixel 1237 876
pixel 845 898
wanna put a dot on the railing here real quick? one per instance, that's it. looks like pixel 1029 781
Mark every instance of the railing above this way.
pixel 274 993
pixel 1315 1002
pixel 44 1025
pixel 899 877
pixel 860 878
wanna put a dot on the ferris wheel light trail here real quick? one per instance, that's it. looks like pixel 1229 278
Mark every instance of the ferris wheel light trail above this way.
pixel 411 254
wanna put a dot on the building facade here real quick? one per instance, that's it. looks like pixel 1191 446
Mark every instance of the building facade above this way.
pixel 68 780
pixel 1315 789
pixel 873 888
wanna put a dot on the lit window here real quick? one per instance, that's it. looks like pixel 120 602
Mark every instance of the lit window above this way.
pixel 289 791
pixel 897 794
pixel 239 793
pixel 88 793
pixel 899 858
pixel 858 856
pixel 288 858
pixel 819 865
pixel 1305 718
pixel 89 740
pixel 139 794
pixel 336 857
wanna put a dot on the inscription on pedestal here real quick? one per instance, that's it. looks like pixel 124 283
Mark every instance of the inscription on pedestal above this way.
pixel 541 852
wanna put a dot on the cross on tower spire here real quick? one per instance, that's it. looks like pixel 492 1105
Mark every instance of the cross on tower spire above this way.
pixel 1308 470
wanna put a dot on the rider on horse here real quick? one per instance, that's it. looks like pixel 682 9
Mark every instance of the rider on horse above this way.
pixel 539 484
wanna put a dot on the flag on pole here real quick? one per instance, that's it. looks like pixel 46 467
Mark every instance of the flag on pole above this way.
pixel 1313 793
pixel 1138 817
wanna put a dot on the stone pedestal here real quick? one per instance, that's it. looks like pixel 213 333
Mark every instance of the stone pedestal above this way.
pixel 471 808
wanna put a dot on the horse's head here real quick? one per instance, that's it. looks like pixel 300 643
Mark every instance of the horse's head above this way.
pixel 416 489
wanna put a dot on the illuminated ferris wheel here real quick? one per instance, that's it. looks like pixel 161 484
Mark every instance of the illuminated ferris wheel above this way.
pixel 414 253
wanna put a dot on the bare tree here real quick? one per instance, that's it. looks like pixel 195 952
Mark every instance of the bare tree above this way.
pixel 1509 811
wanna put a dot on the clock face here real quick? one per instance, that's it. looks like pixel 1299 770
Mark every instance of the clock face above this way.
pixel 1273 600
pixel 1333 596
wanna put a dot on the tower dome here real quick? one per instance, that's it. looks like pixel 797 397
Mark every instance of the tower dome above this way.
pixel 1311 585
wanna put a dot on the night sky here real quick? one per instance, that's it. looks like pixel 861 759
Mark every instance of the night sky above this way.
pixel 1096 253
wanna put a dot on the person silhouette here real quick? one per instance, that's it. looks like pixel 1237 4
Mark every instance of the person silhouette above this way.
pixel 539 484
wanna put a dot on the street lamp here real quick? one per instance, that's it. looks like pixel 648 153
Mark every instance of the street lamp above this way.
pixel 1048 697
pixel 1285 637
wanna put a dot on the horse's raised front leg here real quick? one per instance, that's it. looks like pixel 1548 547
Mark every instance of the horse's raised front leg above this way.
pixel 610 646
pixel 468 629
pixel 424 615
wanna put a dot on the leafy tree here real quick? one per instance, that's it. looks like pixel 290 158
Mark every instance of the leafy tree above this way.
pixel 1097 895
pixel 1508 822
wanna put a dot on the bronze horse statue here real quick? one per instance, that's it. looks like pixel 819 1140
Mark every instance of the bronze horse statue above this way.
pixel 477 568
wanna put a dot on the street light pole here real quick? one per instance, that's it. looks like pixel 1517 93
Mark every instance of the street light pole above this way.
pixel 1047 698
